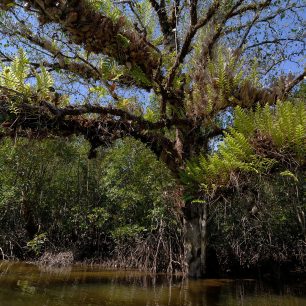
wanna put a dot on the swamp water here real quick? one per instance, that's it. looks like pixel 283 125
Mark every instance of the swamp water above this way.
pixel 24 284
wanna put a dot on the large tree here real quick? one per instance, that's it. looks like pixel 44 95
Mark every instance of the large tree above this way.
pixel 167 73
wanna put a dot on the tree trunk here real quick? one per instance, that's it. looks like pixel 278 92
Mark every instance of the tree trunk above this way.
pixel 203 219
pixel 195 214
pixel 196 238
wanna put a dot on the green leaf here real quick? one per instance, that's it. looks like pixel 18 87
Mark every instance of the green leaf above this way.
pixel 289 174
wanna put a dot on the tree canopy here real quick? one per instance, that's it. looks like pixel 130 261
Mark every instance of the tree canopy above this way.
pixel 163 72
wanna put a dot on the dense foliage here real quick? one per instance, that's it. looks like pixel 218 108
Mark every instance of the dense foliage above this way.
pixel 260 225
pixel 54 199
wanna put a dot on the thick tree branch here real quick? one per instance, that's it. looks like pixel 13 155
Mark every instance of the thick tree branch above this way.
pixel 77 65
pixel 99 33
pixel 77 111
pixel 300 78
pixel 248 96
pixel 96 109
pixel 46 120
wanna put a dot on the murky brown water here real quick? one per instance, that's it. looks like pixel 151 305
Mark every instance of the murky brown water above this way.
pixel 24 284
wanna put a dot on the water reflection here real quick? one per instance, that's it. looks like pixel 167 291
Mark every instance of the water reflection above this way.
pixel 31 285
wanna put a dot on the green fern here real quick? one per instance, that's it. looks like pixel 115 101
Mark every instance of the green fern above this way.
pixel 20 71
pixel 14 78
pixel 242 122
pixel 224 76
pixel 284 125
pixel 139 76
pixel 234 154
pixel 110 69
pixel 44 81
pixel 107 7
pixel 252 74
pixel 299 140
